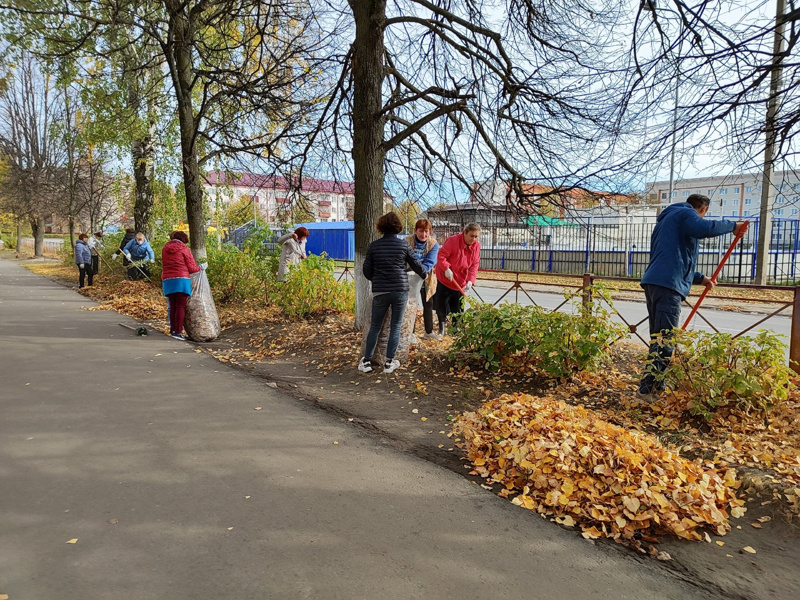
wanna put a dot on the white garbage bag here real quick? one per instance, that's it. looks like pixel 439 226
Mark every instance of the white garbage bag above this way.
pixel 202 321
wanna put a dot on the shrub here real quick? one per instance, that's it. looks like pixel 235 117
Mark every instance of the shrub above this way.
pixel 9 240
pixel 495 335
pixel 310 287
pixel 236 275
pixel 557 344
pixel 257 239
pixel 717 369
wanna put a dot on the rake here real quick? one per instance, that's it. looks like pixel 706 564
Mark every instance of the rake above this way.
pixel 735 241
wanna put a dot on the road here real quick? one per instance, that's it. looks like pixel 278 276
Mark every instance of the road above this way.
pixel 181 478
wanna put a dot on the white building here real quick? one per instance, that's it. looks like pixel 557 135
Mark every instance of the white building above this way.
pixel 734 195
pixel 275 197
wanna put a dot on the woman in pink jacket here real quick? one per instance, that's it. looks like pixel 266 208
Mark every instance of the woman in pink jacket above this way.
pixel 456 270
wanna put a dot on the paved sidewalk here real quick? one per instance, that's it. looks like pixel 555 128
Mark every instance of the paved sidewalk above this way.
pixel 155 458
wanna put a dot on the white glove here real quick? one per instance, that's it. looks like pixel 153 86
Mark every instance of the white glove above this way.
pixel 114 256
pixel 449 274
pixel 468 287
pixel 152 260
pixel 81 266
pixel 128 256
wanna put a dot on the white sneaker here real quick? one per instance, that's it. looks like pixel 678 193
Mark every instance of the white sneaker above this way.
pixel 390 366
pixel 433 336
pixel 365 365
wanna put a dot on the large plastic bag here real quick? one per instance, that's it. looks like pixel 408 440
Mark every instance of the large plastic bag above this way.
pixel 202 321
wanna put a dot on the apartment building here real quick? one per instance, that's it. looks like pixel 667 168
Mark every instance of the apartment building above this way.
pixel 734 195
pixel 276 198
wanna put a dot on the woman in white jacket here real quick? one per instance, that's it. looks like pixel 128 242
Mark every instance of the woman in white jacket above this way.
pixel 293 250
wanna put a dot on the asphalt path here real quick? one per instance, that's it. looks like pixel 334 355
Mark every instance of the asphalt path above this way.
pixel 156 462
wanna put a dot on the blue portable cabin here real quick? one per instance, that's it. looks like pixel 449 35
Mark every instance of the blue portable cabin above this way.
pixel 337 239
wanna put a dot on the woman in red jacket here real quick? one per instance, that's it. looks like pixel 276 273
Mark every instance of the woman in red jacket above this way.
pixel 456 270
pixel 177 264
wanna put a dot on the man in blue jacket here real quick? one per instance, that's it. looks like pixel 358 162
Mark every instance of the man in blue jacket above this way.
pixel 671 273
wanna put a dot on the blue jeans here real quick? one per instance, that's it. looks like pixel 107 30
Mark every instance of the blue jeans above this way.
pixel 664 310
pixel 380 304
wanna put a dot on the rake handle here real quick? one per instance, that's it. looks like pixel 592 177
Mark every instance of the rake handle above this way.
pixel 718 270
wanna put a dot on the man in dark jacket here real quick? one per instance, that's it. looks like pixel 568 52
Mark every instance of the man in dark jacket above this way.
pixel 671 273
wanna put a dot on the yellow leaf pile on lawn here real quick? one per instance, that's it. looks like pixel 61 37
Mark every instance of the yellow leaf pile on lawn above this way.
pixel 569 462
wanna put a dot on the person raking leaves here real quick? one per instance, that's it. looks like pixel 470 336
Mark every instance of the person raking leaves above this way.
pixel 385 266
pixel 669 276
pixel 139 252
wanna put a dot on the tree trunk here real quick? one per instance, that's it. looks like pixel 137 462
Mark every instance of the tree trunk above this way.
pixel 72 232
pixel 19 238
pixel 368 130
pixel 143 153
pixel 37 226
pixel 188 128
pixel 142 147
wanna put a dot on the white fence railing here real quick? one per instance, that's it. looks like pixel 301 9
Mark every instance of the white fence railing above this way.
pixel 52 247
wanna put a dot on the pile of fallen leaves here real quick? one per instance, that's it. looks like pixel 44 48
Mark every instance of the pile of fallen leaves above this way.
pixel 569 462
pixel 769 440
pixel 138 299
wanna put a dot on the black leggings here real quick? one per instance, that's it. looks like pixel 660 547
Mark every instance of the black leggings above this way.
pixel 85 272
pixel 447 302
pixel 427 308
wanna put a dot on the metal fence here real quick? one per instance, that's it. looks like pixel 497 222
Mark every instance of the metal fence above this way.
pixel 514 287
pixel 621 248
pixel 617 247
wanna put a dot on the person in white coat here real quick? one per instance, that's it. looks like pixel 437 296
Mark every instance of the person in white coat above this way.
pixel 293 250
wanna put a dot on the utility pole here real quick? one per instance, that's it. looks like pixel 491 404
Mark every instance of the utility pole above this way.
pixel 767 191
pixel 674 128
pixel 650 6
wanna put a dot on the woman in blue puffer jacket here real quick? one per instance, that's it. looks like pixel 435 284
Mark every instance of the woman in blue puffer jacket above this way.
pixel 83 258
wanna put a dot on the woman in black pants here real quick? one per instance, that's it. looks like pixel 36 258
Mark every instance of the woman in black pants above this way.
pixel 456 270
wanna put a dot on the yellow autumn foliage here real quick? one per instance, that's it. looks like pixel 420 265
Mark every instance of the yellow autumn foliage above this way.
pixel 567 461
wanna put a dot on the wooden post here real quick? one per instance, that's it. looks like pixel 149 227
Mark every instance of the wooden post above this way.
pixel 794 335
pixel 588 280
